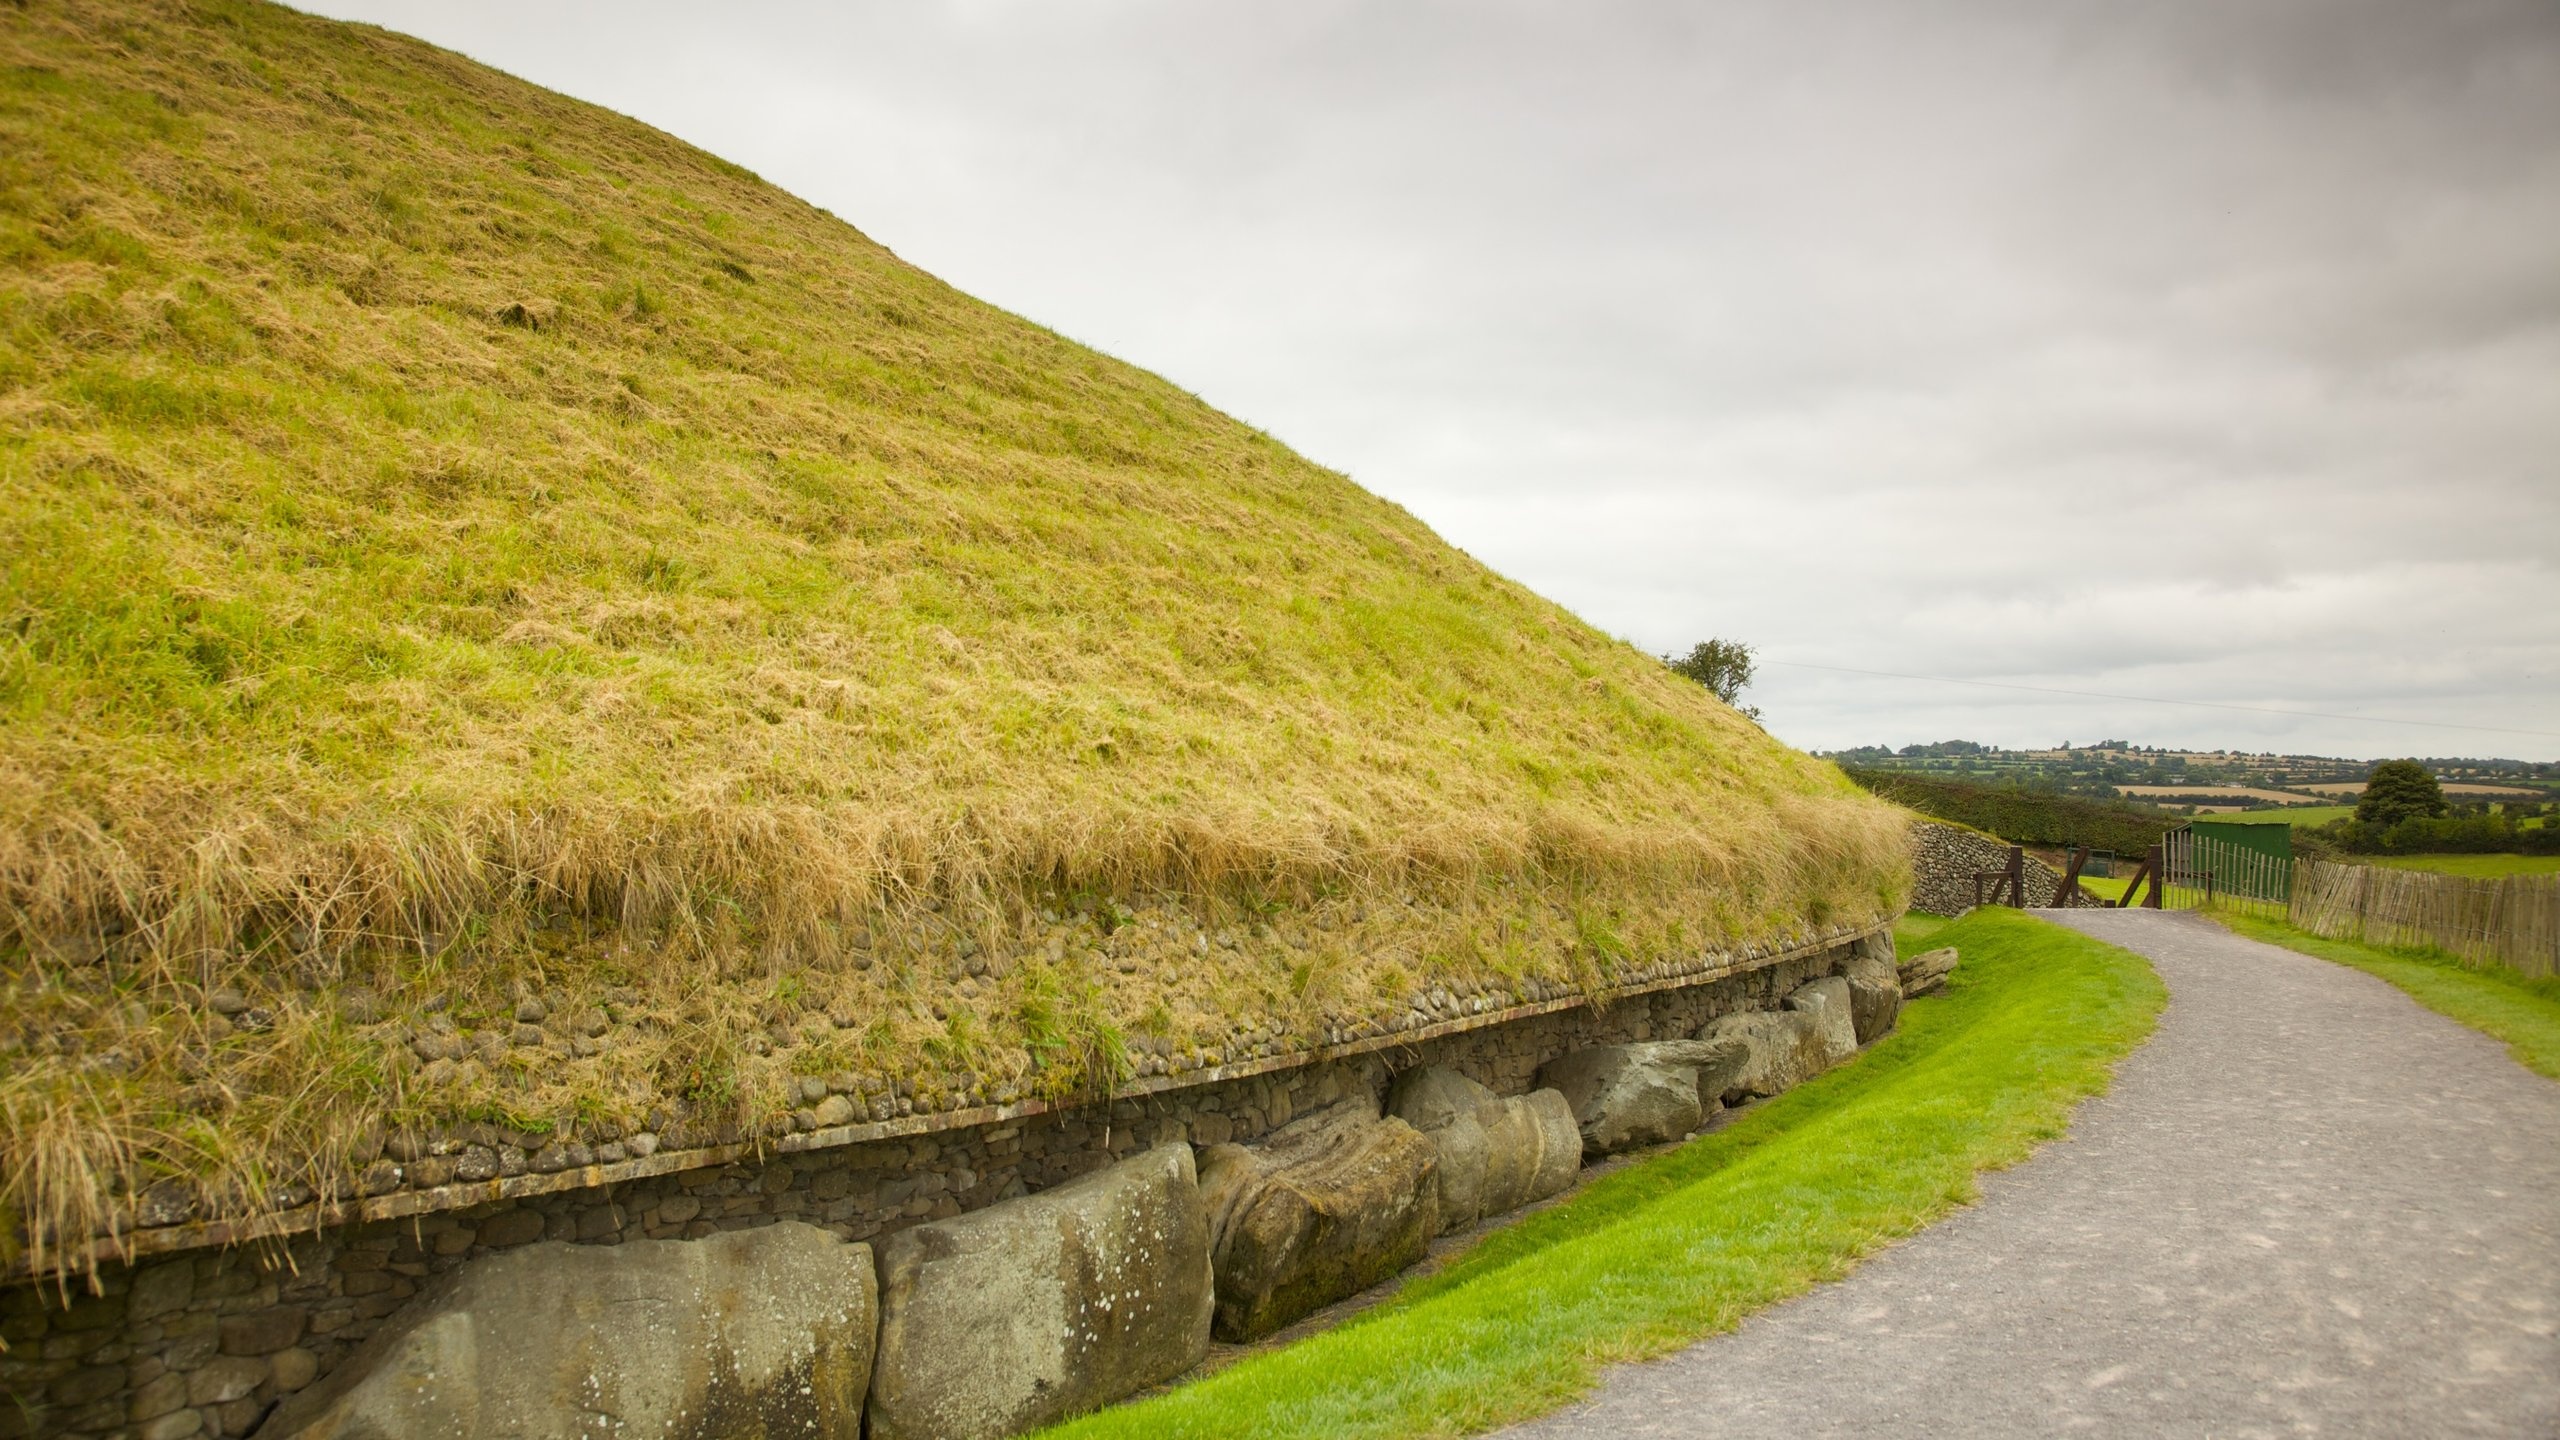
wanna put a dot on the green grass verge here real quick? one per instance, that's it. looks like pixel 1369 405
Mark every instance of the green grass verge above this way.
pixel 2476 867
pixel 2106 887
pixel 1687 1244
pixel 2521 1010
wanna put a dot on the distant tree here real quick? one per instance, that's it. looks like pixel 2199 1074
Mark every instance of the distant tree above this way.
pixel 1723 666
pixel 2400 790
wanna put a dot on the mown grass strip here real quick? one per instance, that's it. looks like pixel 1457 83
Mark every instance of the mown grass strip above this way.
pixel 1686 1245
pixel 2106 887
pixel 2521 1010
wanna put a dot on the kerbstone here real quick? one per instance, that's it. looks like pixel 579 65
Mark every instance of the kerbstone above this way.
pixel 759 1333
pixel 1328 1206
pixel 1624 1096
pixel 1834 1036
pixel 1875 994
pixel 1009 1318
pixel 1778 1052
pixel 1495 1154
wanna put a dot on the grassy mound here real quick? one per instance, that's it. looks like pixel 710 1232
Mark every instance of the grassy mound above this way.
pixel 1791 1194
pixel 465 549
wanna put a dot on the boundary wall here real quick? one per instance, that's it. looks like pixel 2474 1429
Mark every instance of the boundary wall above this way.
pixel 1945 858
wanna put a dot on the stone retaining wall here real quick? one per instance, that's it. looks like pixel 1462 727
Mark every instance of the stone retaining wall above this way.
pixel 1944 859
pixel 204 1341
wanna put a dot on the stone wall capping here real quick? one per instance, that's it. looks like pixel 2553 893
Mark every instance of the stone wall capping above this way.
pixel 133 1245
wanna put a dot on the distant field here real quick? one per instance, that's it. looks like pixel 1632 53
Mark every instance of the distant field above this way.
pixel 2477 867
pixel 2501 792
pixel 2296 815
pixel 2174 792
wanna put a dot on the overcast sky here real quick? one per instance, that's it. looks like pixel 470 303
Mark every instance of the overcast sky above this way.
pixel 2207 351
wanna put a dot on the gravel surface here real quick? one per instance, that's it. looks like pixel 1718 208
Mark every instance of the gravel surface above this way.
pixel 2307 1207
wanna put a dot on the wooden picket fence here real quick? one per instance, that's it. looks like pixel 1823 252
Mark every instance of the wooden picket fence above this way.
pixel 2205 871
pixel 2512 921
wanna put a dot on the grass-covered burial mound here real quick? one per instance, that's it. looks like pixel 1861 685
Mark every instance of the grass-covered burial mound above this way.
pixel 512 620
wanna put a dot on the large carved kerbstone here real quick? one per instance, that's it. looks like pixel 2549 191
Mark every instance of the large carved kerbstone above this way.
pixel 1785 1048
pixel 762 1333
pixel 1008 1318
pixel 1496 1155
pixel 1324 1208
pixel 1834 1035
pixel 1623 1096
pixel 1875 994
pixel 1773 1044
pixel 1559 1144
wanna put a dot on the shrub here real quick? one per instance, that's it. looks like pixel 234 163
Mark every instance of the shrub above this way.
pixel 2399 790
pixel 2469 834
pixel 1723 666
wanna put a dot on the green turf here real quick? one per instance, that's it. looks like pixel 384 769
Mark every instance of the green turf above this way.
pixel 1687 1244
pixel 2476 867
pixel 2107 887
pixel 2522 1010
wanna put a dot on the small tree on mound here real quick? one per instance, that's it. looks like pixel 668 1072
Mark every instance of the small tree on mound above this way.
pixel 1723 666
pixel 2400 790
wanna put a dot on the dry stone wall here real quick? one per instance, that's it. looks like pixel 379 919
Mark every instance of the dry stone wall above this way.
pixel 207 1341
pixel 1945 858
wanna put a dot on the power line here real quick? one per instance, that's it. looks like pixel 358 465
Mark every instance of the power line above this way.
pixel 2158 700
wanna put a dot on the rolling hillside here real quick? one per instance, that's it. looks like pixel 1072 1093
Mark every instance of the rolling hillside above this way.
pixel 471 556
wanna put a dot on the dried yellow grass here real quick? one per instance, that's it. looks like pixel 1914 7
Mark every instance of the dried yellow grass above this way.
pixel 437 510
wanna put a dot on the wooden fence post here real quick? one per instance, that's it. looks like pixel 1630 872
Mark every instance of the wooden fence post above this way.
pixel 2513 921
pixel 2067 894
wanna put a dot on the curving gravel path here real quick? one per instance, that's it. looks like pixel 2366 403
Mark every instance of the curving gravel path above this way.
pixel 2307 1207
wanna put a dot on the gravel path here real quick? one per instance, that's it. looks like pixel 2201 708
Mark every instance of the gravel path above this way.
pixel 2307 1207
